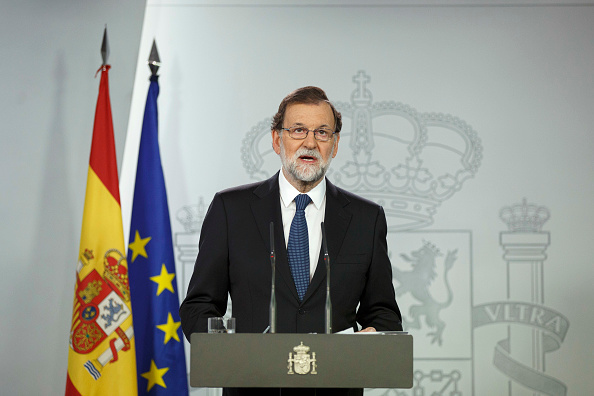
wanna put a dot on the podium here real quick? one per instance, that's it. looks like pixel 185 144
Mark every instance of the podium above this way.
pixel 301 360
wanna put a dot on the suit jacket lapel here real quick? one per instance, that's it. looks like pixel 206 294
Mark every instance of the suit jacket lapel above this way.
pixel 336 222
pixel 266 208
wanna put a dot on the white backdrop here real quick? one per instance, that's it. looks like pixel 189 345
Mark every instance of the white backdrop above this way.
pixel 50 53
pixel 474 129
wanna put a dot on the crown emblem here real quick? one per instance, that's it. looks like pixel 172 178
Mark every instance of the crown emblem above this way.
pixel 192 216
pixel 301 349
pixel 524 217
pixel 85 257
pixel 406 161
pixel 88 254
pixel 116 272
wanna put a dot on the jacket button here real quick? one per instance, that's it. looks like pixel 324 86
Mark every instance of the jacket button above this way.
pixel 301 311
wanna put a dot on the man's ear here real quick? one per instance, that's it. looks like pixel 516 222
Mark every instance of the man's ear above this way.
pixel 335 151
pixel 276 141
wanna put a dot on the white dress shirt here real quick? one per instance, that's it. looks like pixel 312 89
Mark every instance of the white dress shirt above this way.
pixel 314 215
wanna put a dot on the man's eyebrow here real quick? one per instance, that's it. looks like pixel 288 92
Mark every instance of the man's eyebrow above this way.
pixel 321 126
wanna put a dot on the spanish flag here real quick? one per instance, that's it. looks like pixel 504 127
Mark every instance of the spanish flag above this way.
pixel 101 356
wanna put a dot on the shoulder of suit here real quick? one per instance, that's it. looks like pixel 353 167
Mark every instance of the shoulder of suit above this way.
pixel 246 190
pixel 240 189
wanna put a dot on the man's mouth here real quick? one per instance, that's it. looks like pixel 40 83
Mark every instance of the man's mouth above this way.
pixel 307 158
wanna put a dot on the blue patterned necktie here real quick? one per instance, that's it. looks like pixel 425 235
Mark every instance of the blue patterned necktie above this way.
pixel 298 246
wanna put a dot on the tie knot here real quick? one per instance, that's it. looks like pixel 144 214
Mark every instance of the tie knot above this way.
pixel 302 200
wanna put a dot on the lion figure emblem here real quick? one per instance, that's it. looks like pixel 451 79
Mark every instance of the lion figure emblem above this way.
pixel 417 282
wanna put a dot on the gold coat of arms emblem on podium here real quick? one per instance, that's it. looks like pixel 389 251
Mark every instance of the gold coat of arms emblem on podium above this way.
pixel 302 362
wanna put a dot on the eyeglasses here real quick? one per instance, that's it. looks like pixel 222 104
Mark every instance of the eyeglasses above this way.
pixel 300 133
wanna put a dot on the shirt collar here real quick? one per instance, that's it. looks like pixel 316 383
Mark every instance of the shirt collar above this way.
pixel 288 192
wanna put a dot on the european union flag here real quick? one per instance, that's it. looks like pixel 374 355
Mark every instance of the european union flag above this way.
pixel 160 360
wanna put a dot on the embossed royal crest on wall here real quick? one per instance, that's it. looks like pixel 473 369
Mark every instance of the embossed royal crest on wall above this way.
pixel 411 162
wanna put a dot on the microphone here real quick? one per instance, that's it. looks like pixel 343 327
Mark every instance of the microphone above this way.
pixel 328 302
pixel 272 287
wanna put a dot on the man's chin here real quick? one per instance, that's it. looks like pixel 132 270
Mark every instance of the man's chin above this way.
pixel 309 175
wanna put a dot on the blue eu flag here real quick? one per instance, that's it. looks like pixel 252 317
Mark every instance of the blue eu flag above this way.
pixel 160 360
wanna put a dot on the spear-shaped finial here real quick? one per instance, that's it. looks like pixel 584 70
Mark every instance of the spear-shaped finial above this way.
pixel 105 47
pixel 153 61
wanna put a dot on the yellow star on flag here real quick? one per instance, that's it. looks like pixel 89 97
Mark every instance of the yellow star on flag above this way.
pixel 163 280
pixel 138 246
pixel 155 376
pixel 170 329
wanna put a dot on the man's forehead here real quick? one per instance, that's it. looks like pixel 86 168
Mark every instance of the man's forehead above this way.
pixel 302 113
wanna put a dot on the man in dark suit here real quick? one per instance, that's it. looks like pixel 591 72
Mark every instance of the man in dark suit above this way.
pixel 234 243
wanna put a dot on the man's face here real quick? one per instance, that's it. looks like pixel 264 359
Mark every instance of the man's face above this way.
pixel 306 161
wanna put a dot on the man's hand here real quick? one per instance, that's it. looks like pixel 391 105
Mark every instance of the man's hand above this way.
pixel 367 330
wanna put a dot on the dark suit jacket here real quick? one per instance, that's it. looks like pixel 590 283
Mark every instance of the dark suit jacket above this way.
pixel 234 257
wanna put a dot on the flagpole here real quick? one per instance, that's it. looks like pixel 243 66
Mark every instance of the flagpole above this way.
pixel 160 356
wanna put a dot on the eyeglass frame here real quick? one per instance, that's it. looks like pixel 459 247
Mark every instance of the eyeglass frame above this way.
pixel 307 131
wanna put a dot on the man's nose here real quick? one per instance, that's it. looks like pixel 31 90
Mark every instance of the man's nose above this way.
pixel 310 141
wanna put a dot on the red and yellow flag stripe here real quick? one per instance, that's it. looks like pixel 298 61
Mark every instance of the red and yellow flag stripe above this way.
pixel 101 358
